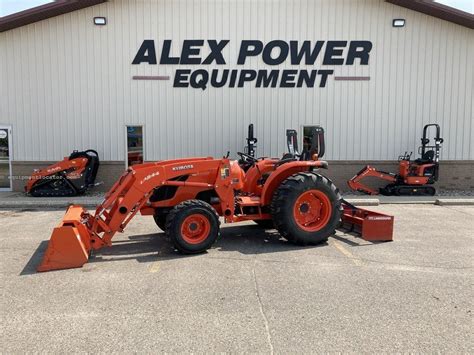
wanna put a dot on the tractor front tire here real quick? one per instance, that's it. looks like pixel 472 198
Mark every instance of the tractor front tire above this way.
pixel 193 226
pixel 160 220
pixel 306 208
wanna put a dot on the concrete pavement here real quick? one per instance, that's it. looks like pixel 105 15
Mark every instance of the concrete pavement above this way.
pixel 252 292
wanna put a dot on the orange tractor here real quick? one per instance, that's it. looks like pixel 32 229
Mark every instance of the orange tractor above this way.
pixel 186 197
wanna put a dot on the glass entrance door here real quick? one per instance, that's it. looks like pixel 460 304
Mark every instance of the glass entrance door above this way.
pixel 5 158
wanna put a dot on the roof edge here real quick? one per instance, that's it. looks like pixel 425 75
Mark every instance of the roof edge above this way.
pixel 59 7
pixel 441 11
pixel 44 12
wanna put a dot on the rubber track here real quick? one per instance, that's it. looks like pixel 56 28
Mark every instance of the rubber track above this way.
pixel 43 191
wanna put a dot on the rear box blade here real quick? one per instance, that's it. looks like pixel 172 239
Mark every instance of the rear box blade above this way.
pixel 69 244
pixel 372 226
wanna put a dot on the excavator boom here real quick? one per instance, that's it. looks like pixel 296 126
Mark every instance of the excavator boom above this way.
pixel 356 184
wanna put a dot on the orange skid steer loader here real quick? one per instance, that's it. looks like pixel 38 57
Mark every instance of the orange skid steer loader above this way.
pixel 70 177
pixel 187 196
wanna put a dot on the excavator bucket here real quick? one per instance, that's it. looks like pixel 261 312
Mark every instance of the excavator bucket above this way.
pixel 371 226
pixel 69 245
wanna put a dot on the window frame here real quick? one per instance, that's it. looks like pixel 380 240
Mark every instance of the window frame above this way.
pixel 126 141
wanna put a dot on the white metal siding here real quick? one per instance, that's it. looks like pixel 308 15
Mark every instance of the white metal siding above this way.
pixel 67 84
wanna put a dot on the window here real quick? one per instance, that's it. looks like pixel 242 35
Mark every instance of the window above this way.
pixel 134 145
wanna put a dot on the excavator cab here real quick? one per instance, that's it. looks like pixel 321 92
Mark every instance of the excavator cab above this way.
pixel 430 153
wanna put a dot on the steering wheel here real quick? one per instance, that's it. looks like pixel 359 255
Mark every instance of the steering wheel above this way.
pixel 246 157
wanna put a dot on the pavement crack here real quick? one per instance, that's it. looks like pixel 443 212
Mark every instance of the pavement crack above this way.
pixel 262 311
pixel 457 210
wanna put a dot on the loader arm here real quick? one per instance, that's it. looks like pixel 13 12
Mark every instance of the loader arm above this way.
pixel 135 186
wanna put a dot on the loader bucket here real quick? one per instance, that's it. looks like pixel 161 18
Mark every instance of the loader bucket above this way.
pixel 371 226
pixel 69 244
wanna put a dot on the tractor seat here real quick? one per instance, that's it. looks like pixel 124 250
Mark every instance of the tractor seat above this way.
pixel 426 158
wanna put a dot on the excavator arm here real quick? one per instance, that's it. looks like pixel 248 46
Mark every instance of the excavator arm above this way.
pixel 81 231
pixel 368 171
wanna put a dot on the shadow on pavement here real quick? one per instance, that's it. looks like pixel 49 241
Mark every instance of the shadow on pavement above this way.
pixel 359 241
pixel 30 267
pixel 247 240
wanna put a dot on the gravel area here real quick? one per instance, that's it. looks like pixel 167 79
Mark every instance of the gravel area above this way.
pixel 455 193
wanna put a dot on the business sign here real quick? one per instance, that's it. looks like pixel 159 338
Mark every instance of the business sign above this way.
pixel 273 53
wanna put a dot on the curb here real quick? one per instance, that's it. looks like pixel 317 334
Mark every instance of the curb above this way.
pixel 454 202
pixel 46 204
pixel 408 202
pixel 364 201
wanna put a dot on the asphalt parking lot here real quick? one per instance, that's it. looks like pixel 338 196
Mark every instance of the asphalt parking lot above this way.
pixel 252 292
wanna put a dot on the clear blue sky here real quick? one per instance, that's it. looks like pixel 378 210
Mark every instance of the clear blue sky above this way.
pixel 465 5
pixel 8 7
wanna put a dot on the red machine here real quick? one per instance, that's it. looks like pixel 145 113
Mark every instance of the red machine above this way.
pixel 69 177
pixel 413 177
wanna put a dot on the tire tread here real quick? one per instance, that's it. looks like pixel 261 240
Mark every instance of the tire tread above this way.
pixel 279 204
pixel 177 210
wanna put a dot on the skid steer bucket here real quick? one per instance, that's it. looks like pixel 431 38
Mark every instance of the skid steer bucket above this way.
pixel 371 226
pixel 69 245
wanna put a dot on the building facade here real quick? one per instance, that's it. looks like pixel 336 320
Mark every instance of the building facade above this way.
pixel 152 80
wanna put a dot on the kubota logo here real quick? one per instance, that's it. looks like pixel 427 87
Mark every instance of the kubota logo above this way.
pixel 182 167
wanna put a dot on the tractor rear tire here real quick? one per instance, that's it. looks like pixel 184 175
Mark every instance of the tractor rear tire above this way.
pixel 160 220
pixel 306 208
pixel 193 226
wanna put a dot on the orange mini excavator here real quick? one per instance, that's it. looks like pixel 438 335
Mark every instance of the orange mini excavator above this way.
pixel 69 177
pixel 414 177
